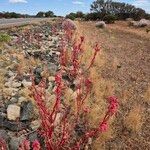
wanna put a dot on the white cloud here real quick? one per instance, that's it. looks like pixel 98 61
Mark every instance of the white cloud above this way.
pixel 78 3
pixel 18 1
pixel 144 4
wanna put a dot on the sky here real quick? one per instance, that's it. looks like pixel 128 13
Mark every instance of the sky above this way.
pixel 59 7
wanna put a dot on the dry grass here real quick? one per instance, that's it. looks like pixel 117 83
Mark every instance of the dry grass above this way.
pixel 134 119
pixel 101 88
pixel 121 68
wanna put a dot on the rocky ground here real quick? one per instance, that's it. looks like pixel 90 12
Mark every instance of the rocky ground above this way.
pixel 29 46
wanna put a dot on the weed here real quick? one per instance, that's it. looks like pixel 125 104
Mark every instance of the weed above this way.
pixel 4 38
pixel 72 131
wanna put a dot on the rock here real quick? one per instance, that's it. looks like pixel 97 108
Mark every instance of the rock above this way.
pixel 13 100
pixel 1 97
pixel 80 129
pixel 8 84
pixel 37 80
pixel 35 124
pixel 2 118
pixel 51 78
pixel 69 24
pixel 16 84
pixel 2 109
pixel 33 136
pixel 52 68
pixel 37 73
pixel 4 135
pixel 13 112
pixel 14 126
pixel 26 111
pixel 26 83
pixel 10 74
pixel 133 23
pixel 10 91
pixel 22 99
pixel 37 54
pixel 89 141
pixel 143 23
pixel 100 24
pixel 15 142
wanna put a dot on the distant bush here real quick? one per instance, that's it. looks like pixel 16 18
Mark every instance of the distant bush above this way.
pixel 45 14
pixel 13 15
pixel 109 18
pixel 71 16
pixel 118 9
pixel 93 16
pixel 4 38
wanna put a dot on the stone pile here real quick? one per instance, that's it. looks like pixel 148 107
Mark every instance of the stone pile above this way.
pixel 18 119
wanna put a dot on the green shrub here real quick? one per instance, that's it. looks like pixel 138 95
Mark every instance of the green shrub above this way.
pixel 93 16
pixel 4 38
pixel 71 16
pixel 109 18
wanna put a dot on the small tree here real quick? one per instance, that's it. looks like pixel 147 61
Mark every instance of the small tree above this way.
pixel 71 16
pixel 109 18
pixel 49 14
pixel 120 10
pixel 40 14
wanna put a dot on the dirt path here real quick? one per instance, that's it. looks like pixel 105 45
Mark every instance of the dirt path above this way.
pixel 127 63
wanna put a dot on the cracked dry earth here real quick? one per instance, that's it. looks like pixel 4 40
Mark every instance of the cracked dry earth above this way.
pixel 127 64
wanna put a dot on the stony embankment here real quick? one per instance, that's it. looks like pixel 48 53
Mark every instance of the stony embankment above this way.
pixel 30 49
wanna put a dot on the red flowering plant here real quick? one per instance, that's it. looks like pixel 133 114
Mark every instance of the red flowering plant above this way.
pixel 3 145
pixel 26 145
pixel 62 127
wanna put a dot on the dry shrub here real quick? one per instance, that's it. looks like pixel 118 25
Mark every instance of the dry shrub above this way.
pixel 99 143
pixel 134 119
